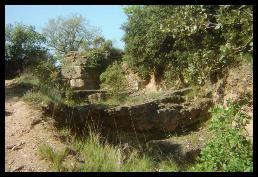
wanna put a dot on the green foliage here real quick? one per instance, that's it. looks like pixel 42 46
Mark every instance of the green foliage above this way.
pixel 113 78
pixel 101 55
pixel 229 150
pixel 23 47
pixel 168 166
pixel 46 72
pixel 27 78
pixel 50 84
pixel 142 98
pixel 122 99
pixel 99 156
pixel 192 41
pixel 71 33
pixel 22 41
pixel 193 94
pixel 36 97
pixel 47 85
pixel 55 157
pixel 44 90
pixel 46 152
pixel 170 78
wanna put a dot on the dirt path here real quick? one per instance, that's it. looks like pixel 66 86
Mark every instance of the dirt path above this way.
pixel 25 130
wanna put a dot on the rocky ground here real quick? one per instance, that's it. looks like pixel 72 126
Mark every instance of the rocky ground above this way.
pixel 25 130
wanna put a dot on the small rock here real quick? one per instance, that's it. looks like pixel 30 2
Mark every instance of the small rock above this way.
pixel 35 121
pixel 30 169
pixel 18 168
pixel 80 159
pixel 10 163
pixel 71 151
pixel 15 146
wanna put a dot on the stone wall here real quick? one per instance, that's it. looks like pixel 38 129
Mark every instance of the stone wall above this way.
pixel 164 114
pixel 73 70
pixel 132 78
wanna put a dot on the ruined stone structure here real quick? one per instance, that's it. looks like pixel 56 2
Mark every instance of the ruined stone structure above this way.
pixel 163 114
pixel 133 80
pixel 73 69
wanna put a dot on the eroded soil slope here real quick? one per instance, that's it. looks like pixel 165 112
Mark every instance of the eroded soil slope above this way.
pixel 25 130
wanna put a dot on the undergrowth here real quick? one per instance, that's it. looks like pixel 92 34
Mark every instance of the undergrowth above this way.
pixel 46 93
pixel 130 100
pixel 27 78
pixel 97 155
pixel 229 150
pixel 55 157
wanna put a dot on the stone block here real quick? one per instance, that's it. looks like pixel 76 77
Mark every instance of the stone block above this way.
pixel 77 83
pixel 72 72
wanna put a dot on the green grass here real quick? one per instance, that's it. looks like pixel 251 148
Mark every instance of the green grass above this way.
pixel 143 97
pixel 27 78
pixel 128 100
pixel 168 166
pixel 100 156
pixel 55 157
pixel 192 94
pixel 36 97
pixel 40 93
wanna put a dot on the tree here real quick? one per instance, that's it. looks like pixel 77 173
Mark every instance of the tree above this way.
pixel 66 34
pixel 189 41
pixel 101 55
pixel 23 47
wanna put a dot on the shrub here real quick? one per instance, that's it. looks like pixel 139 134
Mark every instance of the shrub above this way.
pixel 49 87
pixel 229 150
pixel 113 78
pixel 36 97
pixel 46 72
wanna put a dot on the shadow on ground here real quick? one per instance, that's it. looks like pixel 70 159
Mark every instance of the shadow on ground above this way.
pixel 16 90
pixel 7 113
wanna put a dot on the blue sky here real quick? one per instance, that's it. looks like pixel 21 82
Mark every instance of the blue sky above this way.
pixel 108 18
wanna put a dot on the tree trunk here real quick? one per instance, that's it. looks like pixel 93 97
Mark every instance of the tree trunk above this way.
pixel 182 79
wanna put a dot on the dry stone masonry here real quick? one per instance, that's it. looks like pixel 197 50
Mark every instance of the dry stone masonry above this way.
pixel 73 69
pixel 164 114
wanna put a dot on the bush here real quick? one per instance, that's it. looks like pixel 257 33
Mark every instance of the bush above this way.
pixel 46 72
pixel 101 55
pixel 36 97
pixel 50 85
pixel 194 41
pixel 229 150
pixel 46 91
pixel 27 78
pixel 113 78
